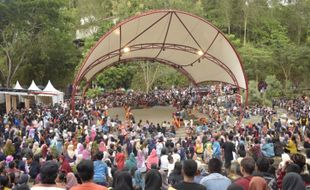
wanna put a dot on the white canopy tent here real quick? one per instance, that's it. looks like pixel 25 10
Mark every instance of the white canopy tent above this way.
pixel 50 89
pixel 49 95
pixel 18 86
pixel 34 87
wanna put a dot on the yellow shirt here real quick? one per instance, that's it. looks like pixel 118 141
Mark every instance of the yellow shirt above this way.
pixel 292 147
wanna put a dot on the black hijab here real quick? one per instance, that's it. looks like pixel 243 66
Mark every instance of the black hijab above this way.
pixel 153 180
pixel 293 181
pixel 123 181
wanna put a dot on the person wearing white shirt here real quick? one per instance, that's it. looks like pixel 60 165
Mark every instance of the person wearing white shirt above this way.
pixel 176 156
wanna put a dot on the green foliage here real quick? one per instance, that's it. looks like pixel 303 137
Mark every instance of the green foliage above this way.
pixel 254 94
pixel 116 77
pixel 274 88
pixel 93 92
pixel 36 40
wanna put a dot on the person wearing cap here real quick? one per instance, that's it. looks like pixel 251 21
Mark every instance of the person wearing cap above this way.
pixel 85 171
pixel 48 175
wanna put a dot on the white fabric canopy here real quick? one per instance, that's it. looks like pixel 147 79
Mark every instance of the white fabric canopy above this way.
pixel 179 39
pixel 50 88
pixel 34 87
pixel 18 86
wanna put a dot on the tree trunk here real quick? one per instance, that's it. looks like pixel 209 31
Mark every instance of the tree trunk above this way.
pixel 245 29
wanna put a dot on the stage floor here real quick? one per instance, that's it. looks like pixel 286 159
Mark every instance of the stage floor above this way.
pixel 156 114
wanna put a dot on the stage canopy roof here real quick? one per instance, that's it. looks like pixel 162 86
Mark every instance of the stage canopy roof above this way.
pixel 184 41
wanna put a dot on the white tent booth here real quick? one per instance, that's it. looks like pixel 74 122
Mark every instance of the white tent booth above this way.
pixel 49 95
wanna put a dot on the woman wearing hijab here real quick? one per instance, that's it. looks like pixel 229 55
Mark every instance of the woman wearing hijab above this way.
pixel 176 175
pixel 123 181
pixel 258 183
pixel 138 181
pixel 71 181
pixel 65 167
pixel 102 147
pixel 44 150
pixel 79 149
pixel 152 159
pixel 70 154
pixel 131 162
pixel 153 180
pixel 86 152
pixel 292 145
pixel 9 148
pixel 141 161
pixel 120 158
pixel 293 181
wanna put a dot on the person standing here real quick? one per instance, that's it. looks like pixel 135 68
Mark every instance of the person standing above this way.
pixel 228 148
pixel 120 158
pixel 216 149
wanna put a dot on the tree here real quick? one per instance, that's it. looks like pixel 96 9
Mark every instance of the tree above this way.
pixel 116 77
pixel 274 87
pixel 29 29
pixel 13 50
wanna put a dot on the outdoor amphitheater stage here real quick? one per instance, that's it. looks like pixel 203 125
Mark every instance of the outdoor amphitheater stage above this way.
pixel 156 114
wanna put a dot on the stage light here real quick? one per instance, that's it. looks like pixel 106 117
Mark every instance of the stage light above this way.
pixel 126 49
pixel 200 52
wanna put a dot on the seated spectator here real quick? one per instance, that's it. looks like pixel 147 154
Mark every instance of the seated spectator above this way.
pixel 138 181
pixel 268 148
pixel 153 180
pixel 100 170
pixel 189 170
pixel 234 172
pixel 71 181
pixel 262 165
pixel 176 175
pixel 293 181
pixel 247 167
pixel 258 183
pixel 85 170
pixel 48 175
pixel 215 180
pixel 123 181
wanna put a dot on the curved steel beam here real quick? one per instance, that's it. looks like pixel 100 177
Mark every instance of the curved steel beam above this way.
pixel 138 47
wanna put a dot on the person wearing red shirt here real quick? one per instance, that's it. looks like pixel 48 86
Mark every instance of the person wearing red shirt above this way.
pixel 120 158
pixel 247 167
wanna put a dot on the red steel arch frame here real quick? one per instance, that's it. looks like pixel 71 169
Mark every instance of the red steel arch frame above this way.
pixel 80 75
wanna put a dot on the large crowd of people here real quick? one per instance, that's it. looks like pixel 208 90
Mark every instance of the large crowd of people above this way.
pixel 53 148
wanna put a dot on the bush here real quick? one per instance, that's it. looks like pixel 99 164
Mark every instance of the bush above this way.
pixel 274 88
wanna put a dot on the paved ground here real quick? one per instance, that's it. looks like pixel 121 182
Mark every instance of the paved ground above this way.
pixel 158 114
